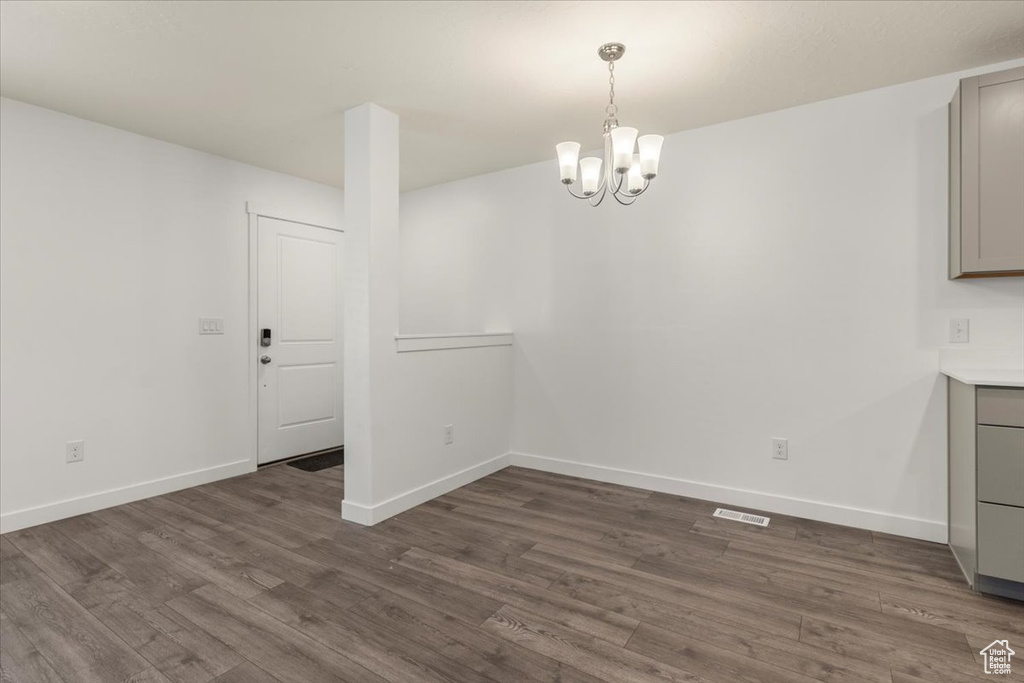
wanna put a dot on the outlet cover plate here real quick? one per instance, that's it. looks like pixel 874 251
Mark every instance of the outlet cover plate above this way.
pixel 75 451
pixel 959 331
pixel 780 449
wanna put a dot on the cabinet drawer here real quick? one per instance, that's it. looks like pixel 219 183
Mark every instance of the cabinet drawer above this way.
pixel 1001 465
pixel 1003 407
pixel 1001 541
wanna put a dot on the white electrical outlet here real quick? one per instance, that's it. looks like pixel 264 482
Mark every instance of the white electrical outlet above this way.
pixel 449 434
pixel 780 449
pixel 959 330
pixel 75 451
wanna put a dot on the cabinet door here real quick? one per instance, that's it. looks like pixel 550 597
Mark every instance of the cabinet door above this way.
pixel 1001 541
pixel 1001 406
pixel 1001 465
pixel 992 172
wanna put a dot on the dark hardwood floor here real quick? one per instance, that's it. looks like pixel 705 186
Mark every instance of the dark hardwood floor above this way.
pixel 522 576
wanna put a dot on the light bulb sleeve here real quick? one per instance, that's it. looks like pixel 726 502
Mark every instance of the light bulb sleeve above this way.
pixel 568 156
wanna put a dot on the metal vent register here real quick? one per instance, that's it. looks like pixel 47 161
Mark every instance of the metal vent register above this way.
pixel 744 517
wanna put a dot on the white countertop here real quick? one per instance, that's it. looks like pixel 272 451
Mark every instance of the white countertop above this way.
pixel 990 377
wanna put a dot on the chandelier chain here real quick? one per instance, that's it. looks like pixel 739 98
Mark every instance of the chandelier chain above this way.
pixel 611 109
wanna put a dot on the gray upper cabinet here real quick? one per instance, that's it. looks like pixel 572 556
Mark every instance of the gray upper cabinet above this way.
pixel 986 176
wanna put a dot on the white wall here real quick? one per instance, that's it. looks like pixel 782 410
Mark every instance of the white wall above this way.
pixel 396 456
pixel 112 246
pixel 785 276
pixel 457 270
pixel 470 389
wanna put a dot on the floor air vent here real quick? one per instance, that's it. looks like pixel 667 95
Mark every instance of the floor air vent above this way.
pixel 744 517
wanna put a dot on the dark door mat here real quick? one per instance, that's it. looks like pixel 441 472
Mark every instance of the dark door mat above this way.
pixel 315 463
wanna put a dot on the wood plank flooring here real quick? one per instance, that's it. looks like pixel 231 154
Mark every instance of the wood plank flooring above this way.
pixel 521 576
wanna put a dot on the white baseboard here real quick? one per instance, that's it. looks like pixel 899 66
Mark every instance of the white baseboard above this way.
pixel 51 512
pixel 355 512
pixel 808 509
pixel 369 515
pixel 372 514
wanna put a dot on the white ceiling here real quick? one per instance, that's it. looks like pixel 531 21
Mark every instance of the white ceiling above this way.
pixel 479 86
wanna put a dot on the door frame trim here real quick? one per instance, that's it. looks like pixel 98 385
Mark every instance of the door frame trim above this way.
pixel 255 211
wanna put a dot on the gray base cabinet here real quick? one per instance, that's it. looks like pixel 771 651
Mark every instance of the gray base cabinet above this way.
pixel 986 176
pixel 986 486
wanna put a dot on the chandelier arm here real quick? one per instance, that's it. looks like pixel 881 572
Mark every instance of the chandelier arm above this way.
pixel 625 203
pixel 647 183
pixel 577 196
pixel 602 188
pixel 621 178
pixel 600 196
pixel 622 182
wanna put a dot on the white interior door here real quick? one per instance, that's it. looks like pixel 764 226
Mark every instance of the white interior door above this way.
pixel 300 305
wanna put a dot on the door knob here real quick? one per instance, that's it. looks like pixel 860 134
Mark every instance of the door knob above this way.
pixel 265 359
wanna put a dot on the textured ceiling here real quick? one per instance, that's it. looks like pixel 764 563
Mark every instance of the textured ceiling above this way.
pixel 479 86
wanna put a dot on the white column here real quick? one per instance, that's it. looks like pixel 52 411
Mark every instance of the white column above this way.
pixel 371 301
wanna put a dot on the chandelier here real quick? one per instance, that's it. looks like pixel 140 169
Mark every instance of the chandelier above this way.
pixel 622 173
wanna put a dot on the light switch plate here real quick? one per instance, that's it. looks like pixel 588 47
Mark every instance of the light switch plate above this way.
pixel 211 326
